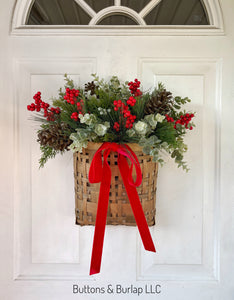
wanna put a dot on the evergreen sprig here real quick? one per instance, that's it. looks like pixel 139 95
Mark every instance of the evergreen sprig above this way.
pixel 46 154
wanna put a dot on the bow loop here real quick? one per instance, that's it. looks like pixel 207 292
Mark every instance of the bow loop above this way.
pixel 96 164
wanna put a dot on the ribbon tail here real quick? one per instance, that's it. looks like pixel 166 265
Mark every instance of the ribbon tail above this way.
pixel 100 220
pixel 136 206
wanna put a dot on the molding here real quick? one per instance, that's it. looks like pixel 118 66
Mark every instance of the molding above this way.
pixel 117 2
pixel 217 197
pixel 20 13
pixel 191 272
pixel 116 31
pixel 18 27
pixel 117 9
pixel 53 278
pixel 214 12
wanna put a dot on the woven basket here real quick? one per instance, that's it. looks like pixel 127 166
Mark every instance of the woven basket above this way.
pixel 119 209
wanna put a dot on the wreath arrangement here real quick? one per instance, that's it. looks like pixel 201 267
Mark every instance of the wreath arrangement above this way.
pixel 114 127
pixel 113 112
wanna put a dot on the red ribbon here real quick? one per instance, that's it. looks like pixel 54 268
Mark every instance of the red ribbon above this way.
pixel 100 171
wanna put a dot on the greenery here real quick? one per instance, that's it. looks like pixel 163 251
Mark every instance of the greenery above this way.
pixel 115 112
pixel 47 153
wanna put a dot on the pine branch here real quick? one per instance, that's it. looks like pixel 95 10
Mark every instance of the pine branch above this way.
pixel 139 108
pixel 166 133
pixel 68 82
pixel 47 153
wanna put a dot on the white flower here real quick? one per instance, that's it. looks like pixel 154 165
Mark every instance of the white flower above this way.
pixel 141 127
pixel 131 132
pixel 88 119
pixel 103 111
pixel 101 129
pixel 78 142
pixel 107 124
pixel 151 120
pixel 83 118
pixel 159 118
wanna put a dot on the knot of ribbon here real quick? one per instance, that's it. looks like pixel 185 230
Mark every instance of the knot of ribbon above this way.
pixel 100 171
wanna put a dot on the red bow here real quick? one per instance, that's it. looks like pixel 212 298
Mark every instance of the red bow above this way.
pixel 101 172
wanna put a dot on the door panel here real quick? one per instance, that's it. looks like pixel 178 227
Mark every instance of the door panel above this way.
pixel 186 203
pixel 47 242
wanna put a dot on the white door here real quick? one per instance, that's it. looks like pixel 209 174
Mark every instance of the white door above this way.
pixel 44 255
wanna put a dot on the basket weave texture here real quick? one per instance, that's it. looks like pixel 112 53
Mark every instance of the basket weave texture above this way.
pixel 119 209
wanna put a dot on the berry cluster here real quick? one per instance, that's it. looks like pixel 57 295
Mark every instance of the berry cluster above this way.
pixel 116 126
pixel 49 113
pixel 124 109
pixel 118 104
pixel 80 106
pixel 183 120
pixel 169 119
pixel 71 95
pixel 131 101
pixel 75 116
pixel 134 87
pixel 130 120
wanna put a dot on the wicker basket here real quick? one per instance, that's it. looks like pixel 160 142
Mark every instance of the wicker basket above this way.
pixel 119 209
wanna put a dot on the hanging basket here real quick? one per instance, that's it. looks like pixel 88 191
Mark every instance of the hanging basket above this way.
pixel 119 209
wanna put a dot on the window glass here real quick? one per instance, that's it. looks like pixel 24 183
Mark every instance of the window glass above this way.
pixel 98 5
pixel 57 12
pixel 117 20
pixel 177 12
pixel 135 4
pixel 69 12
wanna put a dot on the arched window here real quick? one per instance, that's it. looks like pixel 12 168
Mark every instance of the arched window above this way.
pixel 121 17
pixel 118 13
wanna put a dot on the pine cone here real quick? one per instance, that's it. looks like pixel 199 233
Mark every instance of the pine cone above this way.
pixel 161 103
pixel 54 137
pixel 90 86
